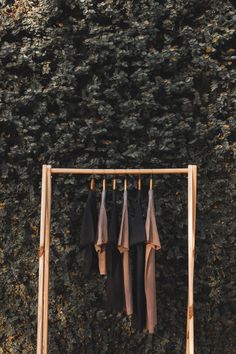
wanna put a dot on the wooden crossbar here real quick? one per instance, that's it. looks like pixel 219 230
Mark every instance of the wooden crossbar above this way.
pixel 44 245
pixel 136 171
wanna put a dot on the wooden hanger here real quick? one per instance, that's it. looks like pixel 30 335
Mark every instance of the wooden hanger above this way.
pixel 114 183
pixel 139 183
pixel 125 184
pixel 92 183
pixel 150 185
pixel 104 184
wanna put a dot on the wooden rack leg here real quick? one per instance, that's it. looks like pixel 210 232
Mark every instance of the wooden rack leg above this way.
pixel 46 261
pixel 41 261
pixel 192 193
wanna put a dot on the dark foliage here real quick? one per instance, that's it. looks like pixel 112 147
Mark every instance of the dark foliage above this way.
pixel 90 83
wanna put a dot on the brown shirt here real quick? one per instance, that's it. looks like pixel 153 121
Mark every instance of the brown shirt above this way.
pixel 123 246
pixel 153 243
pixel 102 236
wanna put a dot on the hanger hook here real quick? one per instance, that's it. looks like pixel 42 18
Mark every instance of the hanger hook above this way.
pixel 139 182
pixel 150 182
pixel 114 182
pixel 104 183
pixel 92 183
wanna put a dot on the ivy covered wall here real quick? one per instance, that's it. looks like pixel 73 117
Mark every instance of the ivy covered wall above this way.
pixel 117 84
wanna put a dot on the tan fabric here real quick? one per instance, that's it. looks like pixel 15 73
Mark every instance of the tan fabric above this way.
pixel 102 236
pixel 123 246
pixel 153 243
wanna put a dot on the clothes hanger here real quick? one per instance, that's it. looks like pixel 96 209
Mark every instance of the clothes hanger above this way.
pixel 114 183
pixel 104 183
pixel 92 183
pixel 125 184
pixel 139 183
pixel 150 183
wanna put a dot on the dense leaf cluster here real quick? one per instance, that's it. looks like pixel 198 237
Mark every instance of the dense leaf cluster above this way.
pixel 90 83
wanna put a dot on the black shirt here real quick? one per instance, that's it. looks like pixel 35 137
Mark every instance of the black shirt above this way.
pixel 88 233
pixel 137 243
pixel 114 286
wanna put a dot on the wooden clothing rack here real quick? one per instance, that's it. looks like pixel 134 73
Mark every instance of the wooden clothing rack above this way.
pixel 46 197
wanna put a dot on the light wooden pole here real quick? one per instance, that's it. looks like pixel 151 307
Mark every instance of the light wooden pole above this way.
pixel 46 261
pixel 42 334
pixel 123 171
pixel 192 193
pixel 45 221
pixel 41 260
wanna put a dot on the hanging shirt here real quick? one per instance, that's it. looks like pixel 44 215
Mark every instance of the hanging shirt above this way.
pixel 138 243
pixel 153 243
pixel 102 236
pixel 88 233
pixel 114 286
pixel 123 246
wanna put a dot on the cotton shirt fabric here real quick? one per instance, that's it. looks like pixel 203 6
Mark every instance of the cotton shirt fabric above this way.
pixel 114 285
pixel 137 244
pixel 123 246
pixel 88 234
pixel 102 236
pixel 153 243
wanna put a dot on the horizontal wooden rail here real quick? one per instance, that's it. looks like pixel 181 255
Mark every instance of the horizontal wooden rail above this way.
pixel 84 171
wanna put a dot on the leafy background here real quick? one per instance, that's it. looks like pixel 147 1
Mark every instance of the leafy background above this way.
pixel 117 84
